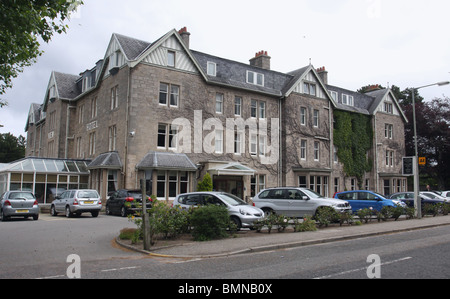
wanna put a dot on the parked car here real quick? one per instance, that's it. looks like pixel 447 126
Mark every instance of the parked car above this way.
pixel 446 194
pixel 434 195
pixel 408 198
pixel 363 199
pixel 123 202
pixel 77 202
pixel 241 213
pixel 296 202
pixel 18 204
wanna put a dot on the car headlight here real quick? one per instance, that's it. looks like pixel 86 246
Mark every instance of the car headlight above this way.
pixel 245 213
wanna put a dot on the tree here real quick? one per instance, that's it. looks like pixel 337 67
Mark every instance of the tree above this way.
pixel 206 184
pixel 11 148
pixel 22 24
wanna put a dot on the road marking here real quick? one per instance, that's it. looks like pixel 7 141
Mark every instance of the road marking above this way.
pixel 119 269
pixel 362 269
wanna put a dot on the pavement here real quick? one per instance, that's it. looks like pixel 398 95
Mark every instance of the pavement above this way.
pixel 250 241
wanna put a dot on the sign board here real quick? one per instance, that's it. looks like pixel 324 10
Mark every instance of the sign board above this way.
pixel 408 166
pixel 422 161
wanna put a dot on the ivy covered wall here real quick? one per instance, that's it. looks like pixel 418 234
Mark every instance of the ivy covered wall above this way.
pixel 353 138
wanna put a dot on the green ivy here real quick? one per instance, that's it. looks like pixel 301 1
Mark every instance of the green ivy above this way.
pixel 353 137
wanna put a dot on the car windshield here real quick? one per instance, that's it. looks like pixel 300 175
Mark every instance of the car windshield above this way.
pixel 231 199
pixel 87 194
pixel 312 193
pixel 21 195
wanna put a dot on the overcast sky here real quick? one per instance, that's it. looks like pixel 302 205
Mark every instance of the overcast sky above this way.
pixel 360 42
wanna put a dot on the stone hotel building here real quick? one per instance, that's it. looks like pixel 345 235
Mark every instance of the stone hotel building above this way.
pixel 166 113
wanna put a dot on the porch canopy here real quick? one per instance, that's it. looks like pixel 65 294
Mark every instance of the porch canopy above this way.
pixel 231 169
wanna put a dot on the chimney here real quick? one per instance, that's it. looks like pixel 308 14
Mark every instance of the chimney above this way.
pixel 261 60
pixel 323 74
pixel 185 35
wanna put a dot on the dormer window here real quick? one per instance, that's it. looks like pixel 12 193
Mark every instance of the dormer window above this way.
pixel 212 68
pixel 255 78
pixel 347 100
pixel 86 83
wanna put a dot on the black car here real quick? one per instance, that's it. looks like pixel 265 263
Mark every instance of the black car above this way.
pixel 408 198
pixel 124 202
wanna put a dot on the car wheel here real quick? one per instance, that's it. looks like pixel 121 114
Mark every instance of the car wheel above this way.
pixel 237 223
pixel 68 213
pixel 94 214
pixel 268 212
pixel 53 211
pixel 108 210
pixel 4 218
pixel 123 211
pixel 35 217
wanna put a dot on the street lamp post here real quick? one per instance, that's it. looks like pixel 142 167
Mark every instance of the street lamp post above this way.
pixel 417 201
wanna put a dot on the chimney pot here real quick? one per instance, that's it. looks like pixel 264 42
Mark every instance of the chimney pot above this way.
pixel 261 60
pixel 185 36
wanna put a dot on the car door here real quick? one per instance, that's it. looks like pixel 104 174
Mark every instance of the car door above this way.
pixel 299 207
pixel 352 198
pixel 369 200
pixel 112 202
pixel 280 201
pixel 58 202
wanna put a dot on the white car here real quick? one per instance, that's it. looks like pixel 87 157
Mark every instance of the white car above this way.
pixel 241 213
pixel 446 194
pixel 296 202
pixel 76 202
pixel 433 195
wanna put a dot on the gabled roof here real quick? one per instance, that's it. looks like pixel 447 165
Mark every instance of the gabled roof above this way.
pixel 380 96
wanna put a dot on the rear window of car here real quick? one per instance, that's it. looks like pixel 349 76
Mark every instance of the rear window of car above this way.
pixel 26 195
pixel 88 194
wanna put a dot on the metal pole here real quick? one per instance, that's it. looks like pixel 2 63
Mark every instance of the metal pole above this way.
pixel 145 217
pixel 417 201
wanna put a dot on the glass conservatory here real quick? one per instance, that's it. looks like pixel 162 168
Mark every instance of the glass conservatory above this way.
pixel 46 178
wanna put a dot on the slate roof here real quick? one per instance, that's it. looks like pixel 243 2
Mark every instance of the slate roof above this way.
pixel 167 161
pixel 67 87
pixel 233 73
pixel 110 160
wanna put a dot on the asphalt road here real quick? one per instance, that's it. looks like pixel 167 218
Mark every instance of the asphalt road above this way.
pixel 40 249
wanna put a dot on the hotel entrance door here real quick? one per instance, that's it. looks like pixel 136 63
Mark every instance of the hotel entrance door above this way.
pixel 230 184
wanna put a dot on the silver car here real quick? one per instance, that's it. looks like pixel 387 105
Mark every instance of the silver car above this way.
pixel 76 202
pixel 18 204
pixel 296 202
pixel 241 213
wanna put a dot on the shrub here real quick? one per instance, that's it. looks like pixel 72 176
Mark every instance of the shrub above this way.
pixel 206 184
pixel 308 224
pixel 326 215
pixel 209 222
pixel 364 214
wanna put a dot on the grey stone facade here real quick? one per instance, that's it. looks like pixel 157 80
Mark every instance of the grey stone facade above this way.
pixel 121 112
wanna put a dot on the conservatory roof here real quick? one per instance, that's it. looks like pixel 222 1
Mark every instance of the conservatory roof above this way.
pixel 44 165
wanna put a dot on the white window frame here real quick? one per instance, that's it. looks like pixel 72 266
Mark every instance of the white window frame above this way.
pixel 211 68
pixel 218 142
pixel 255 78
pixel 316 151
pixel 219 103
pixel 171 58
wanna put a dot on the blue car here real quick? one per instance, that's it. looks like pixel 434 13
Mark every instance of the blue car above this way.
pixel 363 199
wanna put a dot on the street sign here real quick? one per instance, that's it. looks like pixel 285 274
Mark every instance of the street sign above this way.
pixel 422 161
pixel 408 166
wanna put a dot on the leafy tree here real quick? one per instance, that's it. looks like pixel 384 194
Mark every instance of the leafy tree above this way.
pixel 22 24
pixel 11 148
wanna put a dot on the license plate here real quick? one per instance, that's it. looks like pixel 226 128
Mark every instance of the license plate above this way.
pixel 22 211
pixel 88 202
